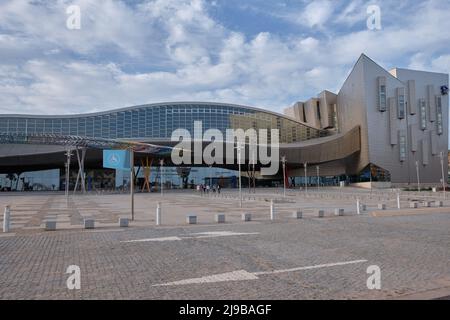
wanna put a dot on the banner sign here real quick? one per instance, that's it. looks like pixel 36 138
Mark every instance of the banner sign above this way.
pixel 116 159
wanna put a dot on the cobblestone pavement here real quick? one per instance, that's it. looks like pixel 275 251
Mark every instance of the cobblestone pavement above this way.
pixel 29 211
pixel 411 250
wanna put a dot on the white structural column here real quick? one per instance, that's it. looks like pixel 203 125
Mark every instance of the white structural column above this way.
pixel 132 182
pixel 80 175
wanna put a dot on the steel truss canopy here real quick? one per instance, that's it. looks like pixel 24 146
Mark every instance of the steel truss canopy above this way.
pixel 74 142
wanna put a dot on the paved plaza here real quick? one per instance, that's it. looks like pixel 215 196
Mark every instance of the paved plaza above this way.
pixel 284 258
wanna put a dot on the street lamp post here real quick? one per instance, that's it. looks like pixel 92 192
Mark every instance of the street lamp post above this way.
pixel 418 177
pixel 210 177
pixel 306 177
pixel 239 147
pixel 253 172
pixel 161 163
pixel 283 161
pixel 318 178
pixel 69 155
pixel 441 154
pixel 132 182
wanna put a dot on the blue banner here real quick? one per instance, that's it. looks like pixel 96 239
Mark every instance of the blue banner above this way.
pixel 116 159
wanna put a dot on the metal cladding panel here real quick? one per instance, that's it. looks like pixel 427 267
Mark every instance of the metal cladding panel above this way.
pixel 439 116
pixel 393 122
pixel 434 144
pixel 412 103
pixel 413 137
pixel 402 145
pixel 423 114
pixel 401 103
pixel 431 103
pixel 425 157
pixel 382 94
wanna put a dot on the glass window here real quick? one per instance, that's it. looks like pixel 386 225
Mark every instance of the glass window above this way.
pixel 402 144
pixel 401 106
pixel 423 114
pixel 382 98
pixel 439 127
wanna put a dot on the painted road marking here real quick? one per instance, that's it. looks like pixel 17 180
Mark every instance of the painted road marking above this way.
pixel 214 234
pixel 155 239
pixel 242 275
pixel 239 275
pixel 327 265
pixel 198 235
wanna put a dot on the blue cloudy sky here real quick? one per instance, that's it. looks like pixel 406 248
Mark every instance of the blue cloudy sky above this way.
pixel 261 53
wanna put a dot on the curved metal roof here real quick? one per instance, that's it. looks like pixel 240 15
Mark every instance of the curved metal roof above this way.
pixel 159 104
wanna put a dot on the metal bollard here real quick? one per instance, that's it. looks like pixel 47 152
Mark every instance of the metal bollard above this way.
pixel 158 214
pixel 191 219
pixel 272 210
pixel 297 214
pixel 7 219
pixel 89 223
pixel 219 218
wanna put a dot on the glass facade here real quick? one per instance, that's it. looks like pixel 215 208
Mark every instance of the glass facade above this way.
pixel 158 121
pixel 31 181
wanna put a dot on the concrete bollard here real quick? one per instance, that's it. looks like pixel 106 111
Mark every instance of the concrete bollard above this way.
pixel 358 207
pixel 320 213
pixel 272 210
pixel 439 203
pixel 297 214
pixel 50 225
pixel 158 214
pixel 413 205
pixel 191 219
pixel 220 218
pixel 398 201
pixel 7 219
pixel 338 212
pixel 381 206
pixel 124 222
pixel 89 223
pixel 246 217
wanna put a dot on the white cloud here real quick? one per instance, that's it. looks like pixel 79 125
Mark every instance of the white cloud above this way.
pixel 172 50
pixel 316 13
